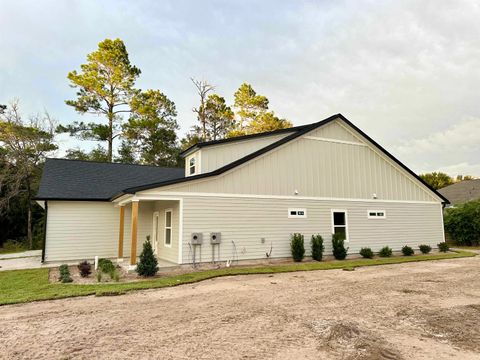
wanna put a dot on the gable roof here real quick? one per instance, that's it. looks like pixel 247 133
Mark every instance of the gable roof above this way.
pixel 96 181
pixel 200 145
pixel 298 131
pixel 462 191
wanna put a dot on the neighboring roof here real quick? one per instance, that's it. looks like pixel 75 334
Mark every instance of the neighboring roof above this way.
pixel 462 191
pixel 298 131
pixel 88 180
pixel 239 138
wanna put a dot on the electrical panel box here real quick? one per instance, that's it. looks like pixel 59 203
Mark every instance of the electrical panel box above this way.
pixel 196 238
pixel 215 238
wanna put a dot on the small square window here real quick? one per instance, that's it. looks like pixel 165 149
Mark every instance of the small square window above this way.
pixel 297 213
pixel 377 214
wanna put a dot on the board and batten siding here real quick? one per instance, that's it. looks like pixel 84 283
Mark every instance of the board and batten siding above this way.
pixel 349 168
pixel 244 221
pixel 215 156
pixel 79 230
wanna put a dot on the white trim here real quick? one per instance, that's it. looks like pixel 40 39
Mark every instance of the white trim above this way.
pixel 165 228
pixel 156 214
pixel 347 237
pixel 376 217
pixel 180 231
pixel 290 216
pixel 163 196
pixel 441 221
pixel 334 140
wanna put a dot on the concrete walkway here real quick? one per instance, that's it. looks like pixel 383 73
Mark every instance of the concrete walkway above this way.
pixel 22 260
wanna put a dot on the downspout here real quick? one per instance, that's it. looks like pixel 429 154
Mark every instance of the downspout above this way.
pixel 45 232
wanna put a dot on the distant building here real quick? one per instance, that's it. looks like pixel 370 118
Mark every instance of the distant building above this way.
pixel 462 192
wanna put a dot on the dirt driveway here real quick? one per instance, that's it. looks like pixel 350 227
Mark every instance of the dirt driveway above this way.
pixel 427 310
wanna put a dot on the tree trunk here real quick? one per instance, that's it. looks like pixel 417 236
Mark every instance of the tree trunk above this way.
pixel 29 216
pixel 110 132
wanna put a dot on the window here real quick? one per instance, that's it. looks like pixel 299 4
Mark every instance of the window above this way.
pixel 339 223
pixel 191 165
pixel 168 228
pixel 297 213
pixel 376 214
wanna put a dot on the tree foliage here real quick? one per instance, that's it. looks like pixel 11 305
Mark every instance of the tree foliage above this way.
pixel 150 133
pixel 105 86
pixel 437 180
pixel 148 264
pixel 253 115
pixel 24 146
pixel 462 223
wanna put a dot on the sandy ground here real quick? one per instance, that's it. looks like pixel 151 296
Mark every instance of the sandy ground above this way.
pixel 427 310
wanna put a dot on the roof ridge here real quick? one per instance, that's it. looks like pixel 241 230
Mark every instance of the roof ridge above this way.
pixel 111 163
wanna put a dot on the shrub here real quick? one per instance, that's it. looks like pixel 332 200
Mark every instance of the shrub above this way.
pixel 338 247
pixel 85 268
pixel 366 252
pixel 317 247
pixel 425 249
pixel 385 252
pixel 64 274
pixel 147 266
pixel 297 247
pixel 407 250
pixel 99 276
pixel 443 247
pixel 463 223
pixel 115 276
pixel 106 266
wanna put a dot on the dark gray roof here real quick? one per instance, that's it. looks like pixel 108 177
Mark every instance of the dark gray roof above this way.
pixel 462 191
pixel 87 180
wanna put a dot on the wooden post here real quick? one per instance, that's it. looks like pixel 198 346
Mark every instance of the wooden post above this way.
pixel 121 231
pixel 133 247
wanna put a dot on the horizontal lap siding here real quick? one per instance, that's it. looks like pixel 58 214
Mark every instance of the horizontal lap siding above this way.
pixel 247 220
pixel 84 229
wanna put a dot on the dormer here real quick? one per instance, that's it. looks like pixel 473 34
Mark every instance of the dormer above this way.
pixel 193 163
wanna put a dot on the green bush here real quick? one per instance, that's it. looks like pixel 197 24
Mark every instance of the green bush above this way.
pixel 338 247
pixel 297 247
pixel 443 247
pixel 147 266
pixel 317 247
pixel 463 223
pixel 407 250
pixel 99 276
pixel 366 252
pixel 425 249
pixel 106 266
pixel 385 252
pixel 64 274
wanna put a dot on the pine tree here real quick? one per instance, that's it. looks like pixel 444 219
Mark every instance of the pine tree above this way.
pixel 148 264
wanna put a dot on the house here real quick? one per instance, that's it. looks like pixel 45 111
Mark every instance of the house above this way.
pixel 462 191
pixel 241 198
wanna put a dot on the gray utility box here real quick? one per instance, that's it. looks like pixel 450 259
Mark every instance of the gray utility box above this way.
pixel 215 238
pixel 196 238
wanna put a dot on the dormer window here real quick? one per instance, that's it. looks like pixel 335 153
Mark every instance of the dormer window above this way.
pixel 191 165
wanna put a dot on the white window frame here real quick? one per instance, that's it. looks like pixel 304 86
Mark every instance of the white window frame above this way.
pixel 304 216
pixel 156 216
pixel 190 166
pixel 347 237
pixel 168 228
pixel 376 217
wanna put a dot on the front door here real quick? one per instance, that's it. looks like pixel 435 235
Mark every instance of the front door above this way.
pixel 155 233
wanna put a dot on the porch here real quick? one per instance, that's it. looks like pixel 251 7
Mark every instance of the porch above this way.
pixel 158 220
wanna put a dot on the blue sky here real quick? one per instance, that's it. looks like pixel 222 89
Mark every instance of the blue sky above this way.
pixel 405 72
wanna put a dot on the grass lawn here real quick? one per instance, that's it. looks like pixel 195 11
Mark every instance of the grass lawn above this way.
pixel 11 250
pixel 452 245
pixel 17 286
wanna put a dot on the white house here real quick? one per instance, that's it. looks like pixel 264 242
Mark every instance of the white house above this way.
pixel 251 192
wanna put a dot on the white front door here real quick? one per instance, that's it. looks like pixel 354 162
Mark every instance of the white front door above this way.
pixel 155 233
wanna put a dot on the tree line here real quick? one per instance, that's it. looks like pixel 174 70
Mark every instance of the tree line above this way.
pixel 131 126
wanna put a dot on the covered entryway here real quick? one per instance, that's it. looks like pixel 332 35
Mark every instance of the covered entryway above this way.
pixel 157 220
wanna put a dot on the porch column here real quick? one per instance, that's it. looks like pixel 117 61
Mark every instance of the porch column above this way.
pixel 121 232
pixel 133 246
